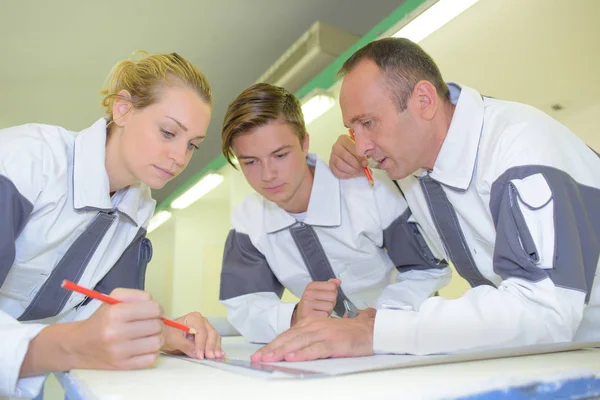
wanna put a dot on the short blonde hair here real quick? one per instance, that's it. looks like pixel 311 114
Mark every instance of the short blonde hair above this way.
pixel 256 106
pixel 144 78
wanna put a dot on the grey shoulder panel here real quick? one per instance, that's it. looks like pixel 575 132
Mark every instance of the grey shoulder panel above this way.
pixel 245 270
pixel 14 212
pixel 406 246
pixel 576 230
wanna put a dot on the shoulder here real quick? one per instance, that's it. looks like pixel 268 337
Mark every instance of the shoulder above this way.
pixel 247 216
pixel 516 134
pixel 33 155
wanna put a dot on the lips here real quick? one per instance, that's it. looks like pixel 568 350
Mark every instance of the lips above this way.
pixel 165 172
pixel 274 188
pixel 381 161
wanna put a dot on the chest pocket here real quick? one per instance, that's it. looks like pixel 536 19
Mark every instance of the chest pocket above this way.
pixel 130 270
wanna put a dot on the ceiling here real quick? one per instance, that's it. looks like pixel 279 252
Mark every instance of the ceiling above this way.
pixel 56 54
pixel 539 52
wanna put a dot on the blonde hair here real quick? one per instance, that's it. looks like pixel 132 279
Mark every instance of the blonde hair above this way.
pixel 256 106
pixel 144 78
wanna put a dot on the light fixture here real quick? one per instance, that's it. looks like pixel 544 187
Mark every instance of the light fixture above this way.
pixel 317 104
pixel 158 219
pixel 205 185
pixel 433 18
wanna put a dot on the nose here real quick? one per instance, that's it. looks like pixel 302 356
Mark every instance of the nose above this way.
pixel 269 171
pixel 179 154
pixel 363 144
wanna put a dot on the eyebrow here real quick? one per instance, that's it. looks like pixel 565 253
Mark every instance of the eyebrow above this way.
pixel 182 126
pixel 354 119
pixel 185 129
pixel 277 150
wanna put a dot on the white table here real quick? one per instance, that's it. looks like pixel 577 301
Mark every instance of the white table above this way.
pixel 174 378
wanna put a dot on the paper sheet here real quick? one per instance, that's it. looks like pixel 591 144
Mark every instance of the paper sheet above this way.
pixel 239 349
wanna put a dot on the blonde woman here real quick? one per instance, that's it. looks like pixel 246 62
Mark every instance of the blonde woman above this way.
pixel 76 206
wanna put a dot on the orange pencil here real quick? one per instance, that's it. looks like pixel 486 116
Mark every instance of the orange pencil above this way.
pixel 366 169
pixel 107 299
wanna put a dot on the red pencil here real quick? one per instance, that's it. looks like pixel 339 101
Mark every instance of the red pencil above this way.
pixel 366 169
pixel 107 299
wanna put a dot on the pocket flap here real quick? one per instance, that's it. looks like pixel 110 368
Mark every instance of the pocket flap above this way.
pixel 533 191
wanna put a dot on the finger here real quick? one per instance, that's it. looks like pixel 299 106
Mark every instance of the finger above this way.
pixel 322 308
pixel 335 281
pixel 267 350
pixel 347 152
pixel 320 295
pixel 210 347
pixel 124 294
pixel 342 169
pixel 146 345
pixel 220 352
pixel 311 352
pixel 292 345
pixel 141 361
pixel 329 285
pixel 367 313
pixel 178 343
pixel 140 329
pixel 288 341
pixel 135 311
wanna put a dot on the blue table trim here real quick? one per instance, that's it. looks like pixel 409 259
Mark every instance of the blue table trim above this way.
pixel 585 387
pixel 74 389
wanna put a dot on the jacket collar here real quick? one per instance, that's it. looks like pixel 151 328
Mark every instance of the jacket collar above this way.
pixel 324 207
pixel 91 186
pixel 455 163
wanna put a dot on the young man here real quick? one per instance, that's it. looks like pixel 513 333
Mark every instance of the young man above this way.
pixel 323 239
pixel 508 194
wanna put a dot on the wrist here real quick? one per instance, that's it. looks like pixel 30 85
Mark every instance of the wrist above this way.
pixel 52 350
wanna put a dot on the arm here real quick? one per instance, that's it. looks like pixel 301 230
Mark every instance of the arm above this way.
pixel 19 189
pixel 420 273
pixel 547 273
pixel 251 292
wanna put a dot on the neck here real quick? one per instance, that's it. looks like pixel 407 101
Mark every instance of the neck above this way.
pixel 113 162
pixel 441 125
pixel 299 201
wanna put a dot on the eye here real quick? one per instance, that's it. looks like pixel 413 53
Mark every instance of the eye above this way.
pixel 367 123
pixel 167 134
pixel 192 146
pixel 248 162
pixel 281 155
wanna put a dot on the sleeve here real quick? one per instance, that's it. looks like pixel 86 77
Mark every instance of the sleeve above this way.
pixel 13 348
pixel 420 274
pixel 546 251
pixel 21 177
pixel 251 292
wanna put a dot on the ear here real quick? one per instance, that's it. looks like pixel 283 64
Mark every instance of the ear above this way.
pixel 305 144
pixel 121 107
pixel 425 99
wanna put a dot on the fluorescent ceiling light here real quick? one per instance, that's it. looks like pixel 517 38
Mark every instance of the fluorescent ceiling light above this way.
pixel 433 18
pixel 158 219
pixel 316 106
pixel 205 185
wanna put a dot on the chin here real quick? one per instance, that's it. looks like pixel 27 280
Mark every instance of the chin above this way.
pixel 155 183
pixel 396 175
pixel 273 197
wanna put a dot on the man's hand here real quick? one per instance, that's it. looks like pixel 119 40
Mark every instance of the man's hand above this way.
pixel 205 343
pixel 318 300
pixel 344 162
pixel 314 338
